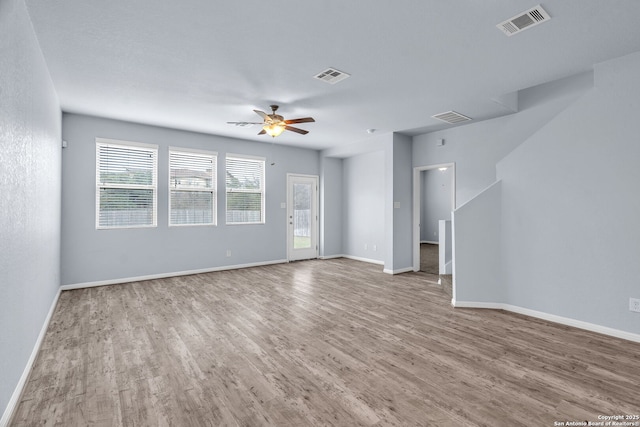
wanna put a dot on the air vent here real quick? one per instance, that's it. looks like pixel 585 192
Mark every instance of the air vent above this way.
pixel 331 76
pixel 451 117
pixel 523 21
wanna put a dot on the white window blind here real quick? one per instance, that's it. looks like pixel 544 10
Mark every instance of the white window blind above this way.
pixel 126 184
pixel 192 187
pixel 245 190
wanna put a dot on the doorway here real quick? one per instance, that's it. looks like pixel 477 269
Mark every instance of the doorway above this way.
pixel 302 217
pixel 433 200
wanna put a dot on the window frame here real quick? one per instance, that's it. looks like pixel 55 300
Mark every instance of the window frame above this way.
pixel 153 150
pixel 261 191
pixel 213 155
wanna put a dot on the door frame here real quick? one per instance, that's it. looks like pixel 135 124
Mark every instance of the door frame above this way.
pixel 314 213
pixel 417 199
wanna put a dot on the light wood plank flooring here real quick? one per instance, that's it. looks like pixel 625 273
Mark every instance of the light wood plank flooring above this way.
pixel 315 343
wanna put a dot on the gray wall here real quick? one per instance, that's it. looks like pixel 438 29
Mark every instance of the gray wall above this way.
pixel 570 207
pixel 376 175
pixel 331 206
pixel 476 227
pixel 364 206
pixel 401 203
pixel 90 255
pixel 435 202
pixel 565 212
pixel 476 148
pixel 29 194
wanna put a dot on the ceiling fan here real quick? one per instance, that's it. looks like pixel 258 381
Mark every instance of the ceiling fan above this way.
pixel 274 124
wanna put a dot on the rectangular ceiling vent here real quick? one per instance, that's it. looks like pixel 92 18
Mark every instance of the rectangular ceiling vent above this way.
pixel 523 21
pixel 451 117
pixel 331 76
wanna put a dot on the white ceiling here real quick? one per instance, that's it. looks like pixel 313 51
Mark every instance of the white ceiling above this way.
pixel 196 64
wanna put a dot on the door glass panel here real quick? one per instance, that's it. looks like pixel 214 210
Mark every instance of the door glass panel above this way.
pixel 302 194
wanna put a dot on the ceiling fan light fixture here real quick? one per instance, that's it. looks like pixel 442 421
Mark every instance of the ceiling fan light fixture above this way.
pixel 274 124
pixel 274 129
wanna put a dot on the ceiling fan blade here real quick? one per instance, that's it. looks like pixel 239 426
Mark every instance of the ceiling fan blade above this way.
pixel 244 123
pixel 300 131
pixel 262 132
pixel 261 114
pixel 301 120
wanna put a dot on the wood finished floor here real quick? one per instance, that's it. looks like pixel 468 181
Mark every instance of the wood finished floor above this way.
pixel 315 343
pixel 429 258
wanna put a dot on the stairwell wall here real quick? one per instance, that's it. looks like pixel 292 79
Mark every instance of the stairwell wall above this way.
pixel 570 207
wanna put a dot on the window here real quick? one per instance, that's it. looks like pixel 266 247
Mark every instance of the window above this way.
pixel 192 187
pixel 245 190
pixel 126 184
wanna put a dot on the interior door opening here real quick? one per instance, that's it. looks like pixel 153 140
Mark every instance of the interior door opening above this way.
pixel 434 200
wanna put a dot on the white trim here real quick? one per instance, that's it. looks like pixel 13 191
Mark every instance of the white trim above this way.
pixel 103 142
pixel 165 275
pixel 304 175
pixel 369 260
pixel 473 304
pixel 124 143
pixel 314 251
pixel 193 150
pixel 551 318
pixel 331 256
pixel 262 190
pixel 244 156
pixel 17 393
pixel 213 157
pixel 453 257
pixel 448 268
pixel 398 271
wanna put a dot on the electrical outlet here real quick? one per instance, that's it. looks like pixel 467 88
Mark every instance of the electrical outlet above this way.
pixel 228 252
pixel 634 304
pixel 365 246
pixel 375 248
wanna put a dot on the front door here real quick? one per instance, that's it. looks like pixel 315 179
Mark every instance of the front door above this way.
pixel 302 217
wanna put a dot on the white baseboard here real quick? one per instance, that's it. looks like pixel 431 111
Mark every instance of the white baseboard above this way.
pixel 165 275
pixel 372 261
pixel 375 261
pixel 398 271
pixel 630 336
pixel 331 256
pixel 473 304
pixel 15 397
pixel 369 260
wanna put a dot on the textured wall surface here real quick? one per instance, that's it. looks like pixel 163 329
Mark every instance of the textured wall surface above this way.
pixel 477 147
pixel 401 203
pixel 570 207
pixel 476 240
pixel 90 255
pixel 29 194
pixel 364 206
pixel 331 206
